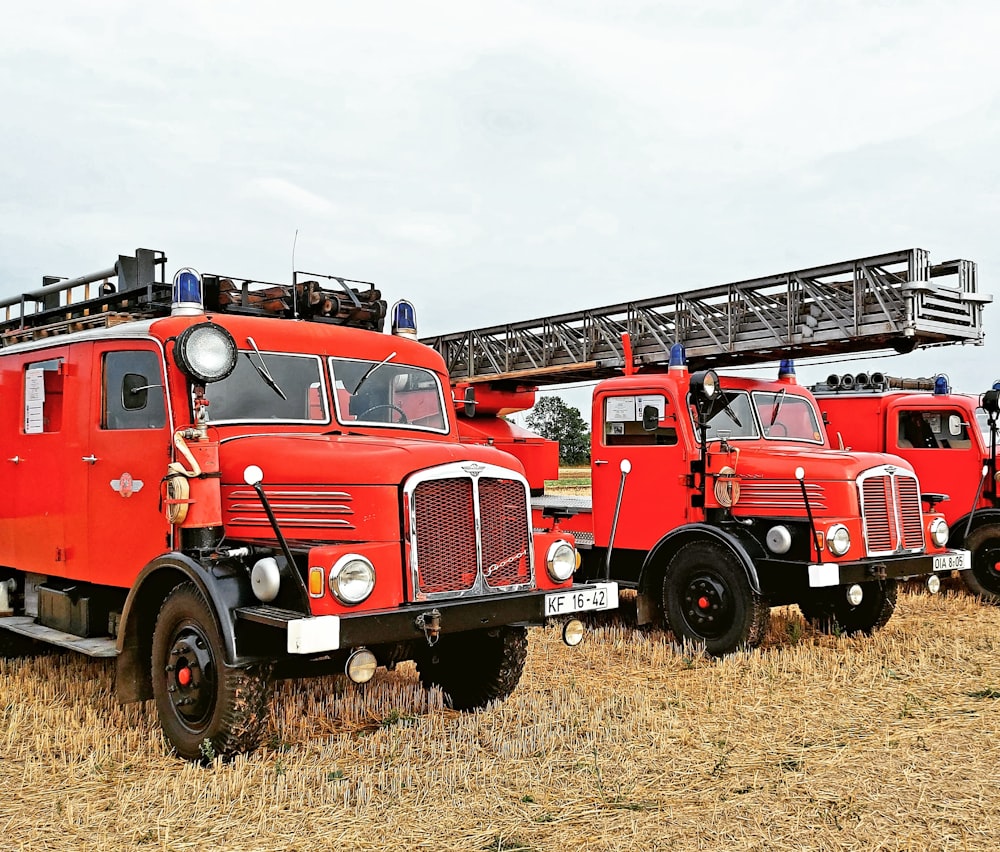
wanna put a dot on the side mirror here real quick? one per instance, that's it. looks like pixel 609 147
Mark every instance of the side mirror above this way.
pixel 135 391
pixel 470 402
pixel 253 475
pixel 650 418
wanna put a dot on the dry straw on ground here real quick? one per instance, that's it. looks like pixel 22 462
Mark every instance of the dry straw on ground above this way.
pixel 811 742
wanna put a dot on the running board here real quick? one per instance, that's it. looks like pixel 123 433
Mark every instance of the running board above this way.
pixel 93 647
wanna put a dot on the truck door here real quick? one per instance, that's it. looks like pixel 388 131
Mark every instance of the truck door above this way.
pixel 128 452
pixel 654 499
pixel 43 458
pixel 943 444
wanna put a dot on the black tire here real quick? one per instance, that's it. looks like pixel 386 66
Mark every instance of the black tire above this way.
pixel 829 610
pixel 476 667
pixel 707 599
pixel 206 709
pixel 983 579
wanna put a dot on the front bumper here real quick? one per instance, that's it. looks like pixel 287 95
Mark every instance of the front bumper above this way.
pixel 324 633
pixel 896 568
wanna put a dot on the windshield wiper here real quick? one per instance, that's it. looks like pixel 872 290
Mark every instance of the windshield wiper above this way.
pixel 371 370
pixel 779 397
pixel 262 370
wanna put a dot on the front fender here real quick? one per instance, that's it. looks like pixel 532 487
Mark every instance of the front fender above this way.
pixel 980 518
pixel 651 574
pixel 224 588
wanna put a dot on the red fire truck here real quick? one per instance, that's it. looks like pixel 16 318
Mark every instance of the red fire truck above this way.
pixel 221 482
pixel 938 433
pixel 717 498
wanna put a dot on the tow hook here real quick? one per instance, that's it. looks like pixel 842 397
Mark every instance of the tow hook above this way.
pixel 430 623
pixel 877 571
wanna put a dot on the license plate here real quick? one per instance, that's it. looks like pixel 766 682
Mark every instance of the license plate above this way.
pixel 953 562
pixel 602 596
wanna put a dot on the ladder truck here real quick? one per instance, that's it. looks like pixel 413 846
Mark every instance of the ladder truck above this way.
pixel 949 438
pixel 713 497
pixel 220 482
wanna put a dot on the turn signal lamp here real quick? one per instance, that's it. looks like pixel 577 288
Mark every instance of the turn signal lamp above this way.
pixel 317 582
pixel 185 298
pixel 404 319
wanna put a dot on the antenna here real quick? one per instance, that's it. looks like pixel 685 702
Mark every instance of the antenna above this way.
pixel 295 311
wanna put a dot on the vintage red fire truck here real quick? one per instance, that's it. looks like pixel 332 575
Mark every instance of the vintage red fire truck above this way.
pixel 717 498
pixel 938 432
pixel 221 482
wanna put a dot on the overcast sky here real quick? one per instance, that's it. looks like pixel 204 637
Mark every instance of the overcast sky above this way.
pixel 494 162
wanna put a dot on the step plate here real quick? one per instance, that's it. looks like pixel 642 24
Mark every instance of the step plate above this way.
pixel 93 647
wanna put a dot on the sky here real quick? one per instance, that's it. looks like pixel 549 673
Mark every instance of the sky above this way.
pixel 495 162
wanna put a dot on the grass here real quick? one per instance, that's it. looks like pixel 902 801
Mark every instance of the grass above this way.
pixel 626 742
pixel 572 480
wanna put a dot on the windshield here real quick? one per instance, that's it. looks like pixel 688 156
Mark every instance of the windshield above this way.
pixel 730 417
pixel 384 393
pixel 787 417
pixel 246 395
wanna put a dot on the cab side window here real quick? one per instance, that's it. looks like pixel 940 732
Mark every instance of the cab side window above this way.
pixel 624 418
pixel 132 391
pixel 43 396
pixel 938 429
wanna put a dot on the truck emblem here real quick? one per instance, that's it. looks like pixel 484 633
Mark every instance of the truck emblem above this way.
pixel 473 469
pixel 126 485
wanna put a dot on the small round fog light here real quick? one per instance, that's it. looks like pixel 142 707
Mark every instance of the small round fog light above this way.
pixel 573 632
pixel 361 665
pixel 855 594
pixel 934 584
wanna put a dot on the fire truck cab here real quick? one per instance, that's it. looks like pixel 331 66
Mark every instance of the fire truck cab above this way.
pixel 948 438
pixel 258 488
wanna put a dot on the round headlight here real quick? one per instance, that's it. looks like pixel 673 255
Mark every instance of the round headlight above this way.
pixel 560 561
pixel 939 532
pixel 855 594
pixel 206 352
pixel 838 539
pixel 352 579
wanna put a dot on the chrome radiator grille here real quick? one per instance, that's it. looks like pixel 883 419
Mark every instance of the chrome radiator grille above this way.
pixel 890 507
pixel 469 533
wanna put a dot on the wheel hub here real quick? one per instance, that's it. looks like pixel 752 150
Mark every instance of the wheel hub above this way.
pixel 191 675
pixel 706 603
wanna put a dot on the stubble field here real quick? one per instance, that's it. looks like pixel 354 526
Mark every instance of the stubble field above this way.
pixel 811 742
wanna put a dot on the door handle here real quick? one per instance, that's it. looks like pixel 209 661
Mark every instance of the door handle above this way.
pixel 90 459
pixel 600 461
pixel 16 460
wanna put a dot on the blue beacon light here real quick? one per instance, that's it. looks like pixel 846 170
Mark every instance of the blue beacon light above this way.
pixel 941 385
pixel 404 319
pixel 678 357
pixel 186 294
pixel 786 369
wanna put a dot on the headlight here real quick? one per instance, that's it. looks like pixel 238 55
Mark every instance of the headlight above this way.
pixel 560 561
pixel 352 579
pixel 939 532
pixel 206 352
pixel 838 539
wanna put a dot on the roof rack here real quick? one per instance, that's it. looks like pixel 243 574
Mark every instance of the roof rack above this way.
pixel 136 288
